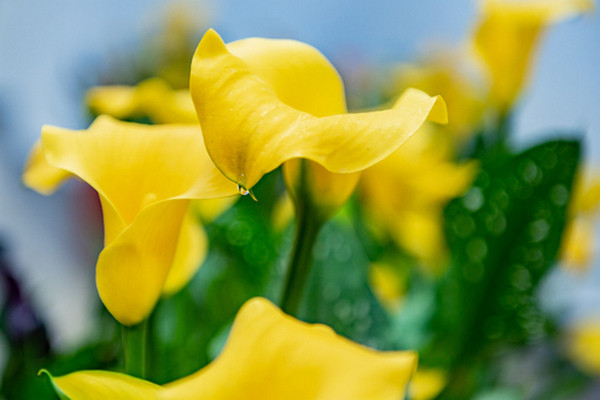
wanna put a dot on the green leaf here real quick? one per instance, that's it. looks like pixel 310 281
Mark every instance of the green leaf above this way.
pixel 338 293
pixel 504 235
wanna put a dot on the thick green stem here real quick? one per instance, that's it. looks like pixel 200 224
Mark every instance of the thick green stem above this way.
pixel 503 128
pixel 308 226
pixel 134 348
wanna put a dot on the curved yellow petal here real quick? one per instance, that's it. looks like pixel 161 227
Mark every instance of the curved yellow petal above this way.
pixel 272 356
pixel 132 269
pixel 310 84
pixel 191 251
pixel 249 130
pixel 153 98
pixel 135 165
pixel 41 176
pixel 103 385
pixel 144 175
pixel 299 74
pixel 507 36
pixel 268 356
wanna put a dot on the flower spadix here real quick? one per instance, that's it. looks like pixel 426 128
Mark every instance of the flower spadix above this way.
pixel 262 102
pixel 145 176
pixel 268 356
pixel 507 37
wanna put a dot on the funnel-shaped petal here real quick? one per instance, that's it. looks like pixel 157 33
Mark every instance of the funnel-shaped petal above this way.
pixel 269 356
pixel 254 119
pixel 145 176
pixel 507 36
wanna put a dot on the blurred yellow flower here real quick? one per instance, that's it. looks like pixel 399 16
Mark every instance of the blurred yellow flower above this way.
pixel 388 284
pixel 269 356
pixel 427 384
pixel 170 50
pixel 283 213
pixel 578 248
pixel 405 194
pixel 325 190
pixel 442 74
pixel 145 176
pixel 583 346
pixel 263 102
pixel 153 98
pixel 507 36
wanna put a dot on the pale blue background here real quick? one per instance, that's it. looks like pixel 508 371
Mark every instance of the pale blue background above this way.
pixel 48 49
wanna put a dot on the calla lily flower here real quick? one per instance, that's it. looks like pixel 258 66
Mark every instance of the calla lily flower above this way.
pixel 583 345
pixel 445 74
pixel 263 102
pixel 507 37
pixel 577 247
pixel 268 356
pixel 153 98
pixel 45 178
pixel 145 176
pixel 388 285
pixel 405 194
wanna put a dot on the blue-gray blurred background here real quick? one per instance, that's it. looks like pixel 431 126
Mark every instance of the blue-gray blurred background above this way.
pixel 51 51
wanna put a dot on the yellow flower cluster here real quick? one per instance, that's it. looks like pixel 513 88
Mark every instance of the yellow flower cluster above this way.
pixel 260 103
pixel 255 105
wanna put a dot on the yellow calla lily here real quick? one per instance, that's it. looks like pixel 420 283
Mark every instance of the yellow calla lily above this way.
pixel 583 345
pixel 153 98
pixel 192 246
pixel 254 118
pixel 145 176
pixel 578 248
pixel 442 74
pixel 268 356
pixel 387 284
pixel 507 36
pixel 406 193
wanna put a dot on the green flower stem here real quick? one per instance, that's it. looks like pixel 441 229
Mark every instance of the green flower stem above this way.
pixel 134 348
pixel 309 221
pixel 503 128
pixel 307 230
